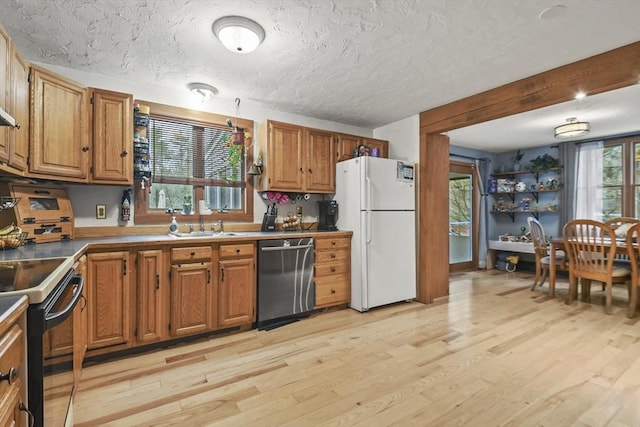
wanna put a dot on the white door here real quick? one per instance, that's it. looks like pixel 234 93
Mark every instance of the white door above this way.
pixel 389 261
pixel 387 184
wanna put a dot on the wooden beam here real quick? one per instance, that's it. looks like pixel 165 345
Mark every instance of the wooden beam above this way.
pixel 600 73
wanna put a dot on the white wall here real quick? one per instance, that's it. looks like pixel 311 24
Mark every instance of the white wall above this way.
pixel 85 197
pixel 403 137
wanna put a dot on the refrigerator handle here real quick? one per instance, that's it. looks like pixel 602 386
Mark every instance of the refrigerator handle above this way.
pixel 367 206
pixel 369 233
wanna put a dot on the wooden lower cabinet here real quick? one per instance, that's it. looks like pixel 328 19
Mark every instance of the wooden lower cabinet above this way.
pixel 108 300
pixel 192 299
pixel 12 357
pixel 237 281
pixel 332 270
pixel 150 291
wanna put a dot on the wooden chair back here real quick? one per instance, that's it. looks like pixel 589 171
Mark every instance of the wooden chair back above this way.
pixel 620 220
pixel 590 246
pixel 616 223
pixel 633 237
pixel 537 235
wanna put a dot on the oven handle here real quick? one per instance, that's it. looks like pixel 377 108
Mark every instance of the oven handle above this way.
pixel 53 319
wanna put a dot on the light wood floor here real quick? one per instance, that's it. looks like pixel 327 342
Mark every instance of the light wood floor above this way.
pixel 495 354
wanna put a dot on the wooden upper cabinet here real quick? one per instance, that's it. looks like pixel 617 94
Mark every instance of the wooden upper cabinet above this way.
pixel 19 138
pixel 380 144
pixel 282 157
pixel 320 173
pixel 59 142
pixel 112 137
pixel 296 159
pixel 5 86
pixel 346 145
pixel 14 99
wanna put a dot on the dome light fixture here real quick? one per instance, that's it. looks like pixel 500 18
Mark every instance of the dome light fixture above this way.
pixel 238 34
pixel 572 128
pixel 203 90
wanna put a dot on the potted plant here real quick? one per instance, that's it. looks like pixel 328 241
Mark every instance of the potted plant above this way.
pixel 516 160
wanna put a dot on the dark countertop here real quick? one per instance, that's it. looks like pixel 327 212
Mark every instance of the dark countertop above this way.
pixel 74 248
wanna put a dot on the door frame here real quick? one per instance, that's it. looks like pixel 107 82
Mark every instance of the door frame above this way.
pixel 471 169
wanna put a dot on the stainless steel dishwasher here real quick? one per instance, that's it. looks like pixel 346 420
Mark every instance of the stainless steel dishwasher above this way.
pixel 286 290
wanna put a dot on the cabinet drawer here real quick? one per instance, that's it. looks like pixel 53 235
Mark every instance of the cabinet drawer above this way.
pixel 238 250
pixel 191 253
pixel 337 243
pixel 334 289
pixel 331 256
pixel 329 268
pixel 11 348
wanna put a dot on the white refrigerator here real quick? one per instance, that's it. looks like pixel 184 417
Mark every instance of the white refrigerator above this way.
pixel 376 200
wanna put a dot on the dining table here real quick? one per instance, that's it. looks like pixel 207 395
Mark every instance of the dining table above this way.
pixel 558 244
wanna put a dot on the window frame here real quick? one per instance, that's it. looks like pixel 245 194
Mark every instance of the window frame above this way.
pixel 141 213
pixel 629 180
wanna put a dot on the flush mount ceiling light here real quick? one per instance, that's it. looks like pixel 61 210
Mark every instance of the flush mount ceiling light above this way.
pixel 572 128
pixel 238 34
pixel 202 89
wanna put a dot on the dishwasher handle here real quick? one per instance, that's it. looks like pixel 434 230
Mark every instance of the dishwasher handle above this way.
pixel 284 248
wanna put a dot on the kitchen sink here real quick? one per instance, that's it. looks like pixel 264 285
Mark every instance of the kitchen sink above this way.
pixel 194 234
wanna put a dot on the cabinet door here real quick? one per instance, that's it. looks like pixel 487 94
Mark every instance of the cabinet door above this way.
pixel 320 173
pixel 112 137
pixel 345 146
pixel 19 138
pixel 5 78
pixel 109 299
pixel 151 309
pixel 59 137
pixel 10 401
pixel 380 144
pixel 237 296
pixel 191 299
pixel 283 160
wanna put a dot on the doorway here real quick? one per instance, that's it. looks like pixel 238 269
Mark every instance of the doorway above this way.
pixel 463 217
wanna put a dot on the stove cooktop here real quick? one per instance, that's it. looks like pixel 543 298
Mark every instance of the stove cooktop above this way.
pixel 32 277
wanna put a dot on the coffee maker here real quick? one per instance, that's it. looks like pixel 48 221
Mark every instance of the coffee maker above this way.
pixel 327 215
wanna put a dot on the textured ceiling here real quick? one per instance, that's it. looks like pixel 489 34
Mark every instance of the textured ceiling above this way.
pixel 365 63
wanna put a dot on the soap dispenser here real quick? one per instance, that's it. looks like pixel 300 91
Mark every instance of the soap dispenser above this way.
pixel 173 226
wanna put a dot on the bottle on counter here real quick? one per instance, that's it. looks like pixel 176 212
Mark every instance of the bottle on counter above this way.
pixel 173 226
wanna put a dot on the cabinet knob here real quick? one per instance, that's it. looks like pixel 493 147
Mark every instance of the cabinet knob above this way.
pixel 193 254
pixel 10 376
pixel 124 153
pixel 237 251
pixel 310 171
pixel 333 255
pixel 333 269
pixel 333 291
pixel 85 148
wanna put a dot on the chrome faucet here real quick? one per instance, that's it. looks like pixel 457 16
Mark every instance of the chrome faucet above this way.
pixel 220 226
pixel 202 227
pixel 190 228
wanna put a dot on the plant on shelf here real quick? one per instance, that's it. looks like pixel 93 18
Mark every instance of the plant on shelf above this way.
pixel 544 162
pixel 516 160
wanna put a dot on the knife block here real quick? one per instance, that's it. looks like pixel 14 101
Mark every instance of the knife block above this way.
pixel 269 222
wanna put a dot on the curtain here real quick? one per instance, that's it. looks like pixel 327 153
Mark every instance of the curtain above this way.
pixel 567 153
pixel 482 168
pixel 589 181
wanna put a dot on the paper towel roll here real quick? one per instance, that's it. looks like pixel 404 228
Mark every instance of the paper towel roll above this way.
pixel 202 208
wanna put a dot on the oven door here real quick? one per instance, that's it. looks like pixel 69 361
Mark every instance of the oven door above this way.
pixel 51 379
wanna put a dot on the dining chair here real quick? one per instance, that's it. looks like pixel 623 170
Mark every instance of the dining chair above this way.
pixel 541 248
pixel 591 246
pixel 633 238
